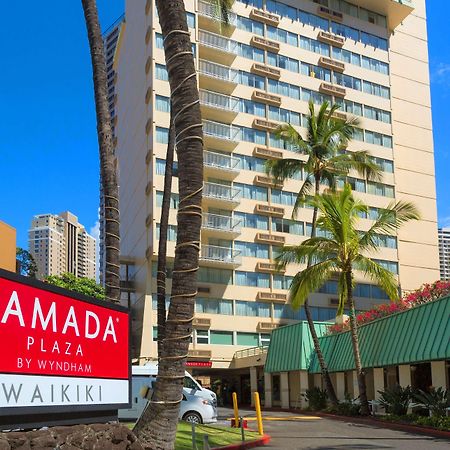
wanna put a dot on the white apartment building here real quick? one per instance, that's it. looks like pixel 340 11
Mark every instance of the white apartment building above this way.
pixel 60 244
pixel 371 57
pixel 444 252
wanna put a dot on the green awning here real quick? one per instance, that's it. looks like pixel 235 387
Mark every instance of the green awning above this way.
pixel 417 335
pixel 291 347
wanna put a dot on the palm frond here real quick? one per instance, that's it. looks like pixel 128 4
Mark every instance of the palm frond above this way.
pixel 281 169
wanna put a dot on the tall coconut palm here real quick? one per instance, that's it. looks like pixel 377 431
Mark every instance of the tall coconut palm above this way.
pixel 157 425
pixel 341 250
pixel 326 161
pixel 108 172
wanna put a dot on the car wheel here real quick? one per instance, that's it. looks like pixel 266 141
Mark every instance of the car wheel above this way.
pixel 192 417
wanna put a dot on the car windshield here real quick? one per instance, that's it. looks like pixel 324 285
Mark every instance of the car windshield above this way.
pixel 189 383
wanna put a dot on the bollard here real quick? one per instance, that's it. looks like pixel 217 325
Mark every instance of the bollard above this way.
pixel 194 437
pixel 206 442
pixel 242 429
pixel 258 414
pixel 236 410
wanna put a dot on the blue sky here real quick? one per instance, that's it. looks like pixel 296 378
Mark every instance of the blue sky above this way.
pixel 48 142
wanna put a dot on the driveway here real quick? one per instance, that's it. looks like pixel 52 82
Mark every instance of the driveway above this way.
pixel 295 431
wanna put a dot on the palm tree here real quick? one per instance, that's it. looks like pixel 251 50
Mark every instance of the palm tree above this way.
pixel 157 426
pixel 339 251
pixel 326 162
pixel 108 172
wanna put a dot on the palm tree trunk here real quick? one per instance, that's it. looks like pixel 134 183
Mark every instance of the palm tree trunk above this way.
pixel 323 365
pixel 355 344
pixel 157 426
pixel 162 245
pixel 108 172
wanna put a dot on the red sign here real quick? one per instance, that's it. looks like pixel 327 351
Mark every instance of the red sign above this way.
pixel 47 333
pixel 198 364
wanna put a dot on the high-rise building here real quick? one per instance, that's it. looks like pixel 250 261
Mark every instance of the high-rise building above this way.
pixel 60 244
pixel 7 247
pixel 111 41
pixel 444 252
pixel 370 57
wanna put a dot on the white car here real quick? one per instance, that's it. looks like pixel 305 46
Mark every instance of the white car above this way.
pixel 199 405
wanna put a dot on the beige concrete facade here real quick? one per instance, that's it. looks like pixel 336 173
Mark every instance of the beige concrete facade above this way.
pixel 59 244
pixel 7 247
pixel 397 130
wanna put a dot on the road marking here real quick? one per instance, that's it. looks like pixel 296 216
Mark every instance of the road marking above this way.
pixel 283 419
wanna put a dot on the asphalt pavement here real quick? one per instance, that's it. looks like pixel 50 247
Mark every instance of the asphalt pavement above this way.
pixel 296 431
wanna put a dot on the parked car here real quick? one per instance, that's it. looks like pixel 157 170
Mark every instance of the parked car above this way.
pixel 199 405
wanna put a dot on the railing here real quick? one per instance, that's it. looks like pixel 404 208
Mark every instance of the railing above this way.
pixel 221 191
pixel 220 101
pixel 221 254
pixel 221 161
pixel 216 41
pixel 220 130
pixel 218 71
pixel 253 351
pixel 208 10
pixel 218 222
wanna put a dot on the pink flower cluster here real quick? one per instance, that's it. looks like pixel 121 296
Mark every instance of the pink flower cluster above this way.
pixel 427 293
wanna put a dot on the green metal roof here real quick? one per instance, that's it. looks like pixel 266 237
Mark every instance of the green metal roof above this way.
pixel 291 347
pixel 413 336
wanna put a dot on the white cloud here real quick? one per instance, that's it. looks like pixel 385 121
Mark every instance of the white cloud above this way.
pixel 444 222
pixel 441 73
pixel 95 233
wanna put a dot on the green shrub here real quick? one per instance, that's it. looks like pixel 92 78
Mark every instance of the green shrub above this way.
pixel 436 400
pixel 317 398
pixel 348 407
pixel 441 423
pixel 395 400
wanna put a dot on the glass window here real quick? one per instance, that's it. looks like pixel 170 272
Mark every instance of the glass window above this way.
pixel 161 72
pixel 221 337
pixel 249 220
pixel 162 135
pixel 213 306
pixel 162 103
pixel 213 275
pixel 190 20
pixel 202 336
pixel 252 249
pixel 247 339
pixel 252 309
pixel 252 279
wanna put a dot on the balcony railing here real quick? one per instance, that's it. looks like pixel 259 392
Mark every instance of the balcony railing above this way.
pixel 208 10
pixel 220 254
pixel 223 223
pixel 220 130
pixel 222 192
pixel 218 71
pixel 220 161
pixel 253 351
pixel 216 41
pixel 219 101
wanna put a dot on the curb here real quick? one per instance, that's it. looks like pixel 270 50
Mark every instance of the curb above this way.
pixel 250 444
pixel 417 429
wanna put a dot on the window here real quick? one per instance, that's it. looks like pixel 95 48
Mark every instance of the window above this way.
pixel 311 70
pixel 251 163
pixel 214 306
pixel 247 339
pixel 252 192
pixel 282 88
pixel 380 189
pixel 388 265
pixel 282 282
pixel 288 226
pixel 190 20
pixel 264 340
pixel 162 135
pixel 252 309
pixel 376 89
pixel 249 220
pixel 347 81
pixel 174 200
pixel 345 31
pixel 252 80
pixel 314 46
pixel 162 104
pixel 202 336
pixel 283 62
pixel 283 197
pixel 252 279
pixel 277 34
pixel 377 114
pixel 160 167
pixel 252 249
pixel 284 115
pixel 313 21
pixel 255 136
pixel 251 107
pixel 213 275
pixel 374 41
pixel 171 232
pixel 243 23
pixel 159 40
pixel 249 52
pixel 221 337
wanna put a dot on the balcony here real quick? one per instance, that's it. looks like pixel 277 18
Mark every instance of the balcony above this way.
pixel 220 135
pixel 264 16
pixel 261 96
pixel 332 89
pixel 330 13
pixel 216 106
pixel 273 239
pixel 265 44
pixel 267 153
pixel 215 224
pixel 266 71
pixel 332 64
pixel 269 210
pixel 216 48
pixel 271 297
pixel 224 166
pixel 208 19
pixel 268 268
pixel 221 195
pixel 220 256
pixel 265 125
pixel 216 77
pixel 330 38
pixel 261 180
